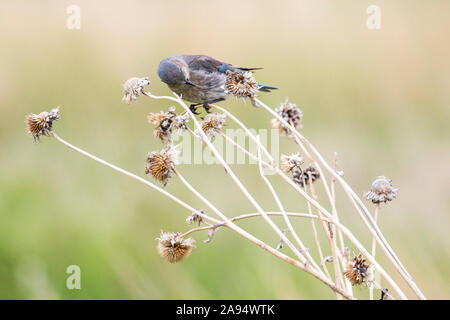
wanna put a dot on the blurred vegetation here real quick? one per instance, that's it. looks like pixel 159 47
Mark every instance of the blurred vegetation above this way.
pixel 379 98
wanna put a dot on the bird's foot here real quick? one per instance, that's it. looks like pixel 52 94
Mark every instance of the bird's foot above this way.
pixel 207 107
pixel 193 108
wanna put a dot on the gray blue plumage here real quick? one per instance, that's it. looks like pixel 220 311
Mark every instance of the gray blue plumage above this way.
pixel 199 79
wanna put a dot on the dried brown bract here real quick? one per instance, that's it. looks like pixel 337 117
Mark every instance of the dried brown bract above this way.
pixel 357 270
pixel 133 88
pixel 305 176
pixel 41 124
pixel 381 191
pixel 291 114
pixel 173 247
pixel 160 164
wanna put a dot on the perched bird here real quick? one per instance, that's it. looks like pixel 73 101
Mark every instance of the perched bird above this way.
pixel 200 79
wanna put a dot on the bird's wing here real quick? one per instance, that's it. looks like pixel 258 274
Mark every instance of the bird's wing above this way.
pixel 208 64
pixel 204 63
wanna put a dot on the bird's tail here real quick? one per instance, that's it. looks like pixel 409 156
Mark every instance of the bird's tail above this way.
pixel 265 88
pixel 249 69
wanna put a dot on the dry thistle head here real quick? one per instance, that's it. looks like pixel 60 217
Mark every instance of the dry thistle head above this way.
pixel 179 122
pixel 195 217
pixel 159 164
pixel 288 163
pixel 172 246
pixel 163 123
pixel 291 114
pixel 241 84
pixel 133 88
pixel 357 270
pixel 381 191
pixel 305 176
pixel 212 123
pixel 41 124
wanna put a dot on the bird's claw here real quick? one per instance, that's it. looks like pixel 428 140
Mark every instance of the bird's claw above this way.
pixel 193 109
pixel 207 107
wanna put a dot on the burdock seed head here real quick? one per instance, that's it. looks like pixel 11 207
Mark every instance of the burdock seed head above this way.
pixel 381 191
pixel 357 270
pixel 172 246
pixel 212 123
pixel 133 88
pixel 241 84
pixel 305 176
pixel 41 124
pixel 288 163
pixel 159 164
pixel 291 114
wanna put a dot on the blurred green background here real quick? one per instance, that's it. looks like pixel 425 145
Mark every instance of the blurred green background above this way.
pixel 380 98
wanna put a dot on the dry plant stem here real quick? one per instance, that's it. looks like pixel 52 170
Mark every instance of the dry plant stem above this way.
pixel 331 239
pixel 253 239
pixel 335 213
pixel 238 146
pixel 285 216
pixel 351 237
pixel 233 176
pixel 259 144
pixel 250 134
pixel 316 239
pixel 250 215
pixel 228 223
pixel 281 174
pixel 367 218
pixel 342 259
pixel 283 237
pixel 314 203
pixel 164 192
pixel 374 248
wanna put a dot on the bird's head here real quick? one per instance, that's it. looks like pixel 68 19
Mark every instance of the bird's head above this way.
pixel 174 71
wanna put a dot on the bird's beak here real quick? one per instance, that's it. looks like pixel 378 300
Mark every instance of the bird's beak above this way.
pixel 189 82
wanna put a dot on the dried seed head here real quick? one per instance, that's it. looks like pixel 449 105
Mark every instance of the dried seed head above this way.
pixel 357 270
pixel 41 124
pixel 172 246
pixel 163 122
pixel 195 217
pixel 133 88
pixel 291 114
pixel 241 84
pixel 305 176
pixel 288 163
pixel 179 122
pixel 212 123
pixel 381 191
pixel 159 164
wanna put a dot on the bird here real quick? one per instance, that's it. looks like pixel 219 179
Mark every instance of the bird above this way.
pixel 199 79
